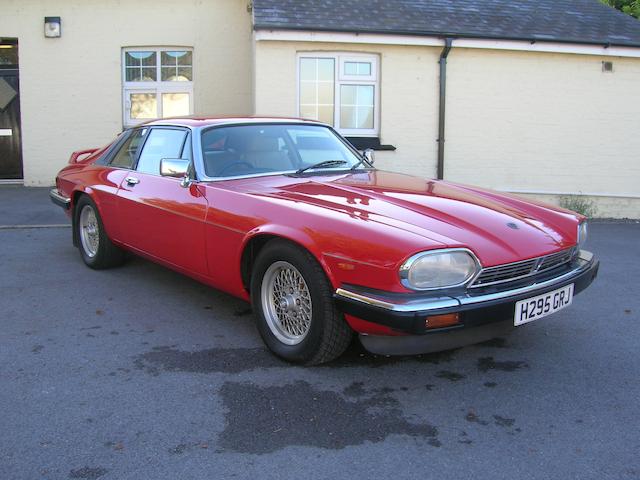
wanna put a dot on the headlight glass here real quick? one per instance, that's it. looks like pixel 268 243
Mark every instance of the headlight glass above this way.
pixel 438 269
pixel 582 234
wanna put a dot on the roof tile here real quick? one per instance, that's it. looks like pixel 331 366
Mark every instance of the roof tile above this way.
pixel 571 21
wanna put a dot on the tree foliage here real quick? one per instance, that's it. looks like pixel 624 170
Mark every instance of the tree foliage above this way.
pixel 630 7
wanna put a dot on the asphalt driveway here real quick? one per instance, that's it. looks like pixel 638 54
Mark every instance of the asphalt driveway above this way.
pixel 141 373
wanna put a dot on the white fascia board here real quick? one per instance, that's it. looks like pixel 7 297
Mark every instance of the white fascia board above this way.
pixel 416 40
pixel 342 37
pixel 548 47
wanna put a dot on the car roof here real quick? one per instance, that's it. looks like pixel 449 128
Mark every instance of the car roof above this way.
pixel 205 121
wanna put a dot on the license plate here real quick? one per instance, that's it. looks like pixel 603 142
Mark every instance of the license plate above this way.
pixel 537 307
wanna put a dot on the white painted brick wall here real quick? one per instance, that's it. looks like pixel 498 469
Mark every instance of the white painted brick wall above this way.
pixel 71 87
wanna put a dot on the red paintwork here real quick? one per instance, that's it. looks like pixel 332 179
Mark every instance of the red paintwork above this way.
pixel 360 226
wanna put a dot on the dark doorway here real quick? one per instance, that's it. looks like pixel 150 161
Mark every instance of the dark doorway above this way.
pixel 10 134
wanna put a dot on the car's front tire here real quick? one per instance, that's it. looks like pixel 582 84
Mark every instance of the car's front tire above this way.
pixel 294 306
pixel 96 249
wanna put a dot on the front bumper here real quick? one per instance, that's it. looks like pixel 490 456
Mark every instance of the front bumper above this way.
pixel 59 199
pixel 483 315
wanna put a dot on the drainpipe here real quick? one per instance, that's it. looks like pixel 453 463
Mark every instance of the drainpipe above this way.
pixel 443 90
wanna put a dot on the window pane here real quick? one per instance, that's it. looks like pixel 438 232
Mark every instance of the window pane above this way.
pixel 365 95
pixel 361 95
pixel 162 143
pixel 140 66
pixel 364 117
pixel 357 68
pixel 140 59
pixel 350 68
pixel 140 74
pixel 175 104
pixel 176 74
pixel 9 55
pixel 356 106
pixel 307 93
pixel 325 93
pixel 185 73
pixel 317 88
pixel 127 153
pixel 176 66
pixel 177 58
pixel 348 117
pixel 308 69
pixel 143 105
pixel 325 114
pixel 325 69
pixel 364 68
pixel 308 111
pixel 348 94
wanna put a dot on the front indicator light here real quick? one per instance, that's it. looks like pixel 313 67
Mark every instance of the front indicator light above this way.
pixel 439 321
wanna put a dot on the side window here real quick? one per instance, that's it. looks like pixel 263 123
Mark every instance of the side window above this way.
pixel 187 153
pixel 161 143
pixel 126 156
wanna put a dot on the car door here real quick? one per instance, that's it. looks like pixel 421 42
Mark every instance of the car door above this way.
pixel 158 216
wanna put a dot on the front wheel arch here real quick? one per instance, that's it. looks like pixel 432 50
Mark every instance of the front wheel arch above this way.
pixel 254 245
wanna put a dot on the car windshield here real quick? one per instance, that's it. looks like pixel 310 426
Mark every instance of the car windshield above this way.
pixel 240 150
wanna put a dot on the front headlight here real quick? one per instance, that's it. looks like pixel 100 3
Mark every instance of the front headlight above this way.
pixel 438 269
pixel 582 234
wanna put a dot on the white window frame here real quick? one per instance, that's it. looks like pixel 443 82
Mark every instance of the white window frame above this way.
pixel 340 78
pixel 157 87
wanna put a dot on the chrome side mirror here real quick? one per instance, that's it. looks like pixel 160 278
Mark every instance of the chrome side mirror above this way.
pixel 174 167
pixel 177 168
pixel 368 155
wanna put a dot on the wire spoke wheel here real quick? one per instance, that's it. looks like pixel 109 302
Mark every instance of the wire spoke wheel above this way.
pixel 89 231
pixel 286 303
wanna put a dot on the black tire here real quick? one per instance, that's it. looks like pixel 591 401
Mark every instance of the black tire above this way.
pixel 328 334
pixel 106 255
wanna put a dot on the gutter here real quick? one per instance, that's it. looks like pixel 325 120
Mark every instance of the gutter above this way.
pixel 448 42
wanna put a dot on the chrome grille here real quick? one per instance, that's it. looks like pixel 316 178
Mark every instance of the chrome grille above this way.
pixel 555 259
pixel 514 271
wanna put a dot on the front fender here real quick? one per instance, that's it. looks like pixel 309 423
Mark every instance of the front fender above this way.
pixel 298 236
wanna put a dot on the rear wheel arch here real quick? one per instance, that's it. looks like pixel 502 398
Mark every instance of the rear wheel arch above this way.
pixel 75 198
pixel 95 246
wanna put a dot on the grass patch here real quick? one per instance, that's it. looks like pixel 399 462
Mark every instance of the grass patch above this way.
pixel 579 203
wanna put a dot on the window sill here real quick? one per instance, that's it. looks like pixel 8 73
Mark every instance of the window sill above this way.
pixel 362 143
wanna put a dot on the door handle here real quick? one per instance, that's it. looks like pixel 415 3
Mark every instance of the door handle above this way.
pixel 131 180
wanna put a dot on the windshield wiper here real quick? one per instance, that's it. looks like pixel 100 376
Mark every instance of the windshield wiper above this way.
pixel 358 163
pixel 325 163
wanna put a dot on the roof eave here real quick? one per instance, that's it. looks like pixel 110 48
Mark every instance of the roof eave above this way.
pixel 532 39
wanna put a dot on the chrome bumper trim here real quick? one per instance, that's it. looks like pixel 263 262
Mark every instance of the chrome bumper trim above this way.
pixel 585 260
pixel 59 199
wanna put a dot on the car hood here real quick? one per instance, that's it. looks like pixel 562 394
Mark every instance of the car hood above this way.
pixel 498 228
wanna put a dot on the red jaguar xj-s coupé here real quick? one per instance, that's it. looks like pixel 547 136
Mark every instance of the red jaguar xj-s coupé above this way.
pixel 286 214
